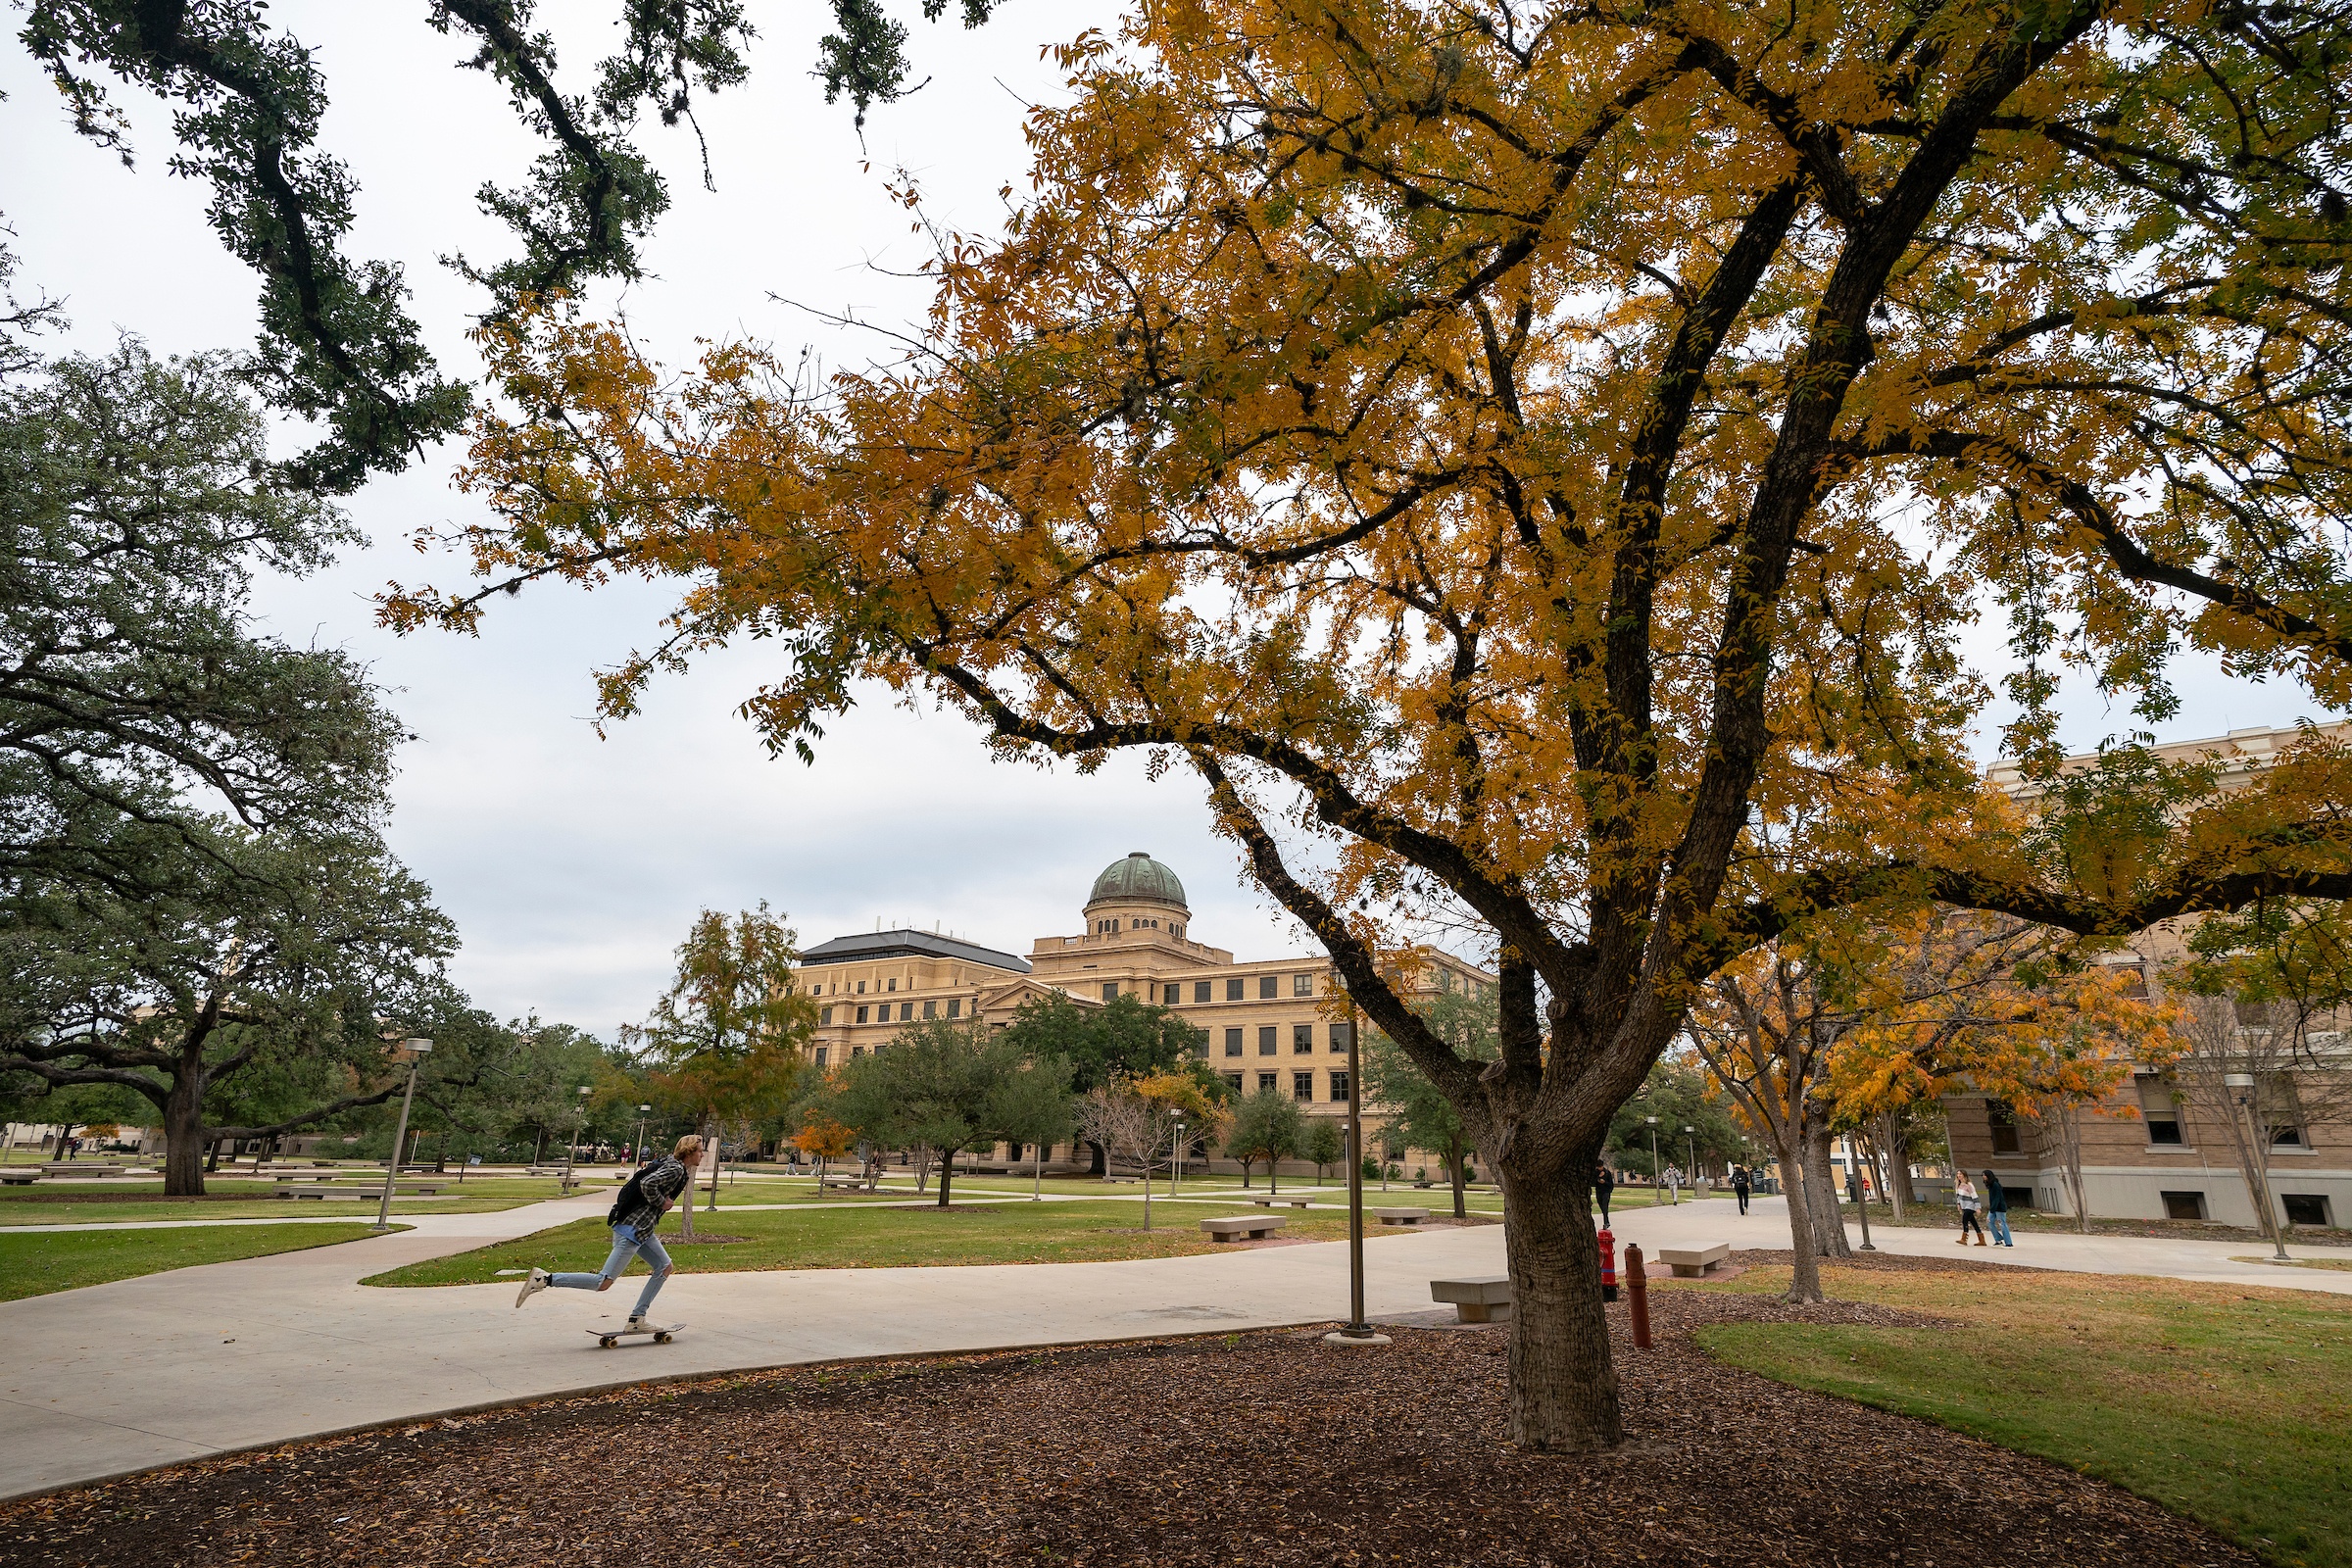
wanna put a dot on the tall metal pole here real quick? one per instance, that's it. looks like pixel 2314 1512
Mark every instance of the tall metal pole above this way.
pixel 1654 1159
pixel 1357 1331
pixel 579 1125
pixel 1853 1173
pixel 383 1212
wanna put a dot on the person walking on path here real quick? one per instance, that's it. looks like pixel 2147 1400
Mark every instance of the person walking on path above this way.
pixel 1996 1211
pixel 1674 1184
pixel 635 1214
pixel 1965 1196
pixel 1741 1186
pixel 1604 1188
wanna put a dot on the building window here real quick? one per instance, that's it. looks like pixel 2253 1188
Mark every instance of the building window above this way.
pixel 1445 982
pixel 861 1015
pixel 820 1055
pixel 1269 986
pixel 1339 1088
pixel 893 982
pixel 2004 1126
pixel 905 1012
pixel 2305 1208
pixel 1266 1082
pixel 1110 991
pixel 861 988
pixel 824 1015
pixel 856 1050
pixel 1302 1039
pixel 954 1007
pixel 1233 1081
pixel 1233 1042
pixel 2184 1206
pixel 930 1008
pixel 1302 985
pixel 1172 994
pixel 1200 991
pixel 1338 1036
pixel 2161 1111
pixel 1265 1040
pixel 1233 990
pixel 1302 1085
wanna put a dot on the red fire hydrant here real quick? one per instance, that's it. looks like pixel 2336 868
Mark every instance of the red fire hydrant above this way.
pixel 1608 1266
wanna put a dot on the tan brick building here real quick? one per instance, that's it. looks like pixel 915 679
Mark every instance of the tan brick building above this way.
pixel 1269 1021
pixel 2166 1162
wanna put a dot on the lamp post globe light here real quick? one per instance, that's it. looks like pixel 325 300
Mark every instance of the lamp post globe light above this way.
pixel 1691 1145
pixel 2240 1086
pixel 417 1046
pixel 578 1126
pixel 1652 1121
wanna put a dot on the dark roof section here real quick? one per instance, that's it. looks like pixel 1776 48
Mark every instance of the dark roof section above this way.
pixel 905 943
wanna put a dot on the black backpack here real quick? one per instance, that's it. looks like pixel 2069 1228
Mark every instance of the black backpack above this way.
pixel 630 1192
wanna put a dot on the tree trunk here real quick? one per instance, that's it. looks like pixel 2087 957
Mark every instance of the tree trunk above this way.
pixel 1804 1282
pixel 1100 1159
pixel 1821 1193
pixel 1462 1206
pixel 184 1137
pixel 1563 1384
pixel 947 1174
pixel 1274 1174
pixel 539 1148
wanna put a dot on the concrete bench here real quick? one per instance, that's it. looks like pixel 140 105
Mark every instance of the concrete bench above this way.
pixel 1690 1263
pixel 1243 1227
pixel 1269 1203
pixel 76 1167
pixel 1401 1216
pixel 18 1178
pixel 319 1189
pixel 1480 1300
pixel 852 1184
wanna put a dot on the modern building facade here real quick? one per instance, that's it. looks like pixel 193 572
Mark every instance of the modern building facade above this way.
pixel 1270 1024
pixel 2171 1157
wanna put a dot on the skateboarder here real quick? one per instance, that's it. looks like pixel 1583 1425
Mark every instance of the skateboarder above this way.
pixel 635 1214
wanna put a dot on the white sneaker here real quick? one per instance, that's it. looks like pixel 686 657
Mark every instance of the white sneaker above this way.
pixel 532 1285
pixel 637 1325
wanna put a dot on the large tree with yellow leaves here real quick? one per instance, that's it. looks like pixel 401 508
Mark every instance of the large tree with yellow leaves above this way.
pixel 1514 458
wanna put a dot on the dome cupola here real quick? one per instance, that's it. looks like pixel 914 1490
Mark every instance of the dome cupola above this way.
pixel 1138 879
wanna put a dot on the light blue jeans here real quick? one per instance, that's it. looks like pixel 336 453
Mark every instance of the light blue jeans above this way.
pixel 2001 1228
pixel 626 1244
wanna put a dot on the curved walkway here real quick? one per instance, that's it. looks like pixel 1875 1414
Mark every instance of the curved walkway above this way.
pixel 170 1367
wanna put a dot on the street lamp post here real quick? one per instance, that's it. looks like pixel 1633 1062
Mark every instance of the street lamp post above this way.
pixel 1357 1331
pixel 2241 1090
pixel 1175 1150
pixel 1654 1157
pixel 415 1046
pixel 637 1148
pixel 1854 1172
pixel 1691 1148
pixel 579 1125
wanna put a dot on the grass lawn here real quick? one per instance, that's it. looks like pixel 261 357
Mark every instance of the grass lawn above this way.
pixel 121 1202
pixel 878 1237
pixel 2231 1406
pixel 37 1265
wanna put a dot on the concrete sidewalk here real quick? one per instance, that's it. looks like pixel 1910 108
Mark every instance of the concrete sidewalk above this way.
pixel 175 1366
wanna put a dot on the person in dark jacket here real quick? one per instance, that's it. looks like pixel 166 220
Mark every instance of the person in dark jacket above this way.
pixel 1741 1186
pixel 1996 1211
pixel 1604 1186
pixel 657 1187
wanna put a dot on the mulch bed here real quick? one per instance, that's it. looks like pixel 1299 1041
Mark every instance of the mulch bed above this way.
pixel 1262 1449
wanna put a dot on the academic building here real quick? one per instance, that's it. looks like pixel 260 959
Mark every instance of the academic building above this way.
pixel 2151 1151
pixel 1269 1023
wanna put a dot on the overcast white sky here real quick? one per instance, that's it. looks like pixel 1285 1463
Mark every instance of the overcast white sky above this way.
pixel 573 864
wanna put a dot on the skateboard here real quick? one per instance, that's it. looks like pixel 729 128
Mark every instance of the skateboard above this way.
pixel 661 1332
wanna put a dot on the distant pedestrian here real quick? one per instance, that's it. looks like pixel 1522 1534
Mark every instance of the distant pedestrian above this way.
pixel 1741 1186
pixel 1604 1186
pixel 1965 1194
pixel 1674 1184
pixel 1996 1211
pixel 635 1214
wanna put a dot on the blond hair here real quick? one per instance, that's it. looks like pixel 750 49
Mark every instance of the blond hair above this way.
pixel 691 1144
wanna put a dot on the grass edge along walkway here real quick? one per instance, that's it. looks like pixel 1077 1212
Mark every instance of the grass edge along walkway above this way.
pixel 41 1263
pixel 921 1236
pixel 2229 1404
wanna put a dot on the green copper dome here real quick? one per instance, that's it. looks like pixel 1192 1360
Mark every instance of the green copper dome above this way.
pixel 1139 878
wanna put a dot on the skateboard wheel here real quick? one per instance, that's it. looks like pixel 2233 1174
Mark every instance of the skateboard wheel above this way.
pixel 660 1339
pixel 606 1343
